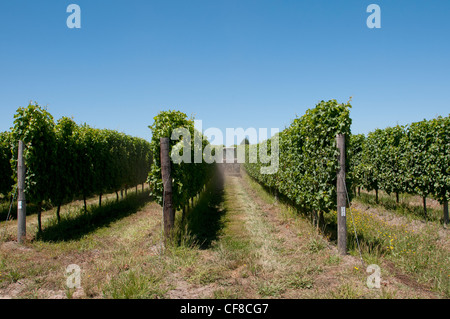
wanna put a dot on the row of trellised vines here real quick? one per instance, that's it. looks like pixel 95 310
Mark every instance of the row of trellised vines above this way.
pixel 188 179
pixel 308 158
pixel 412 159
pixel 65 160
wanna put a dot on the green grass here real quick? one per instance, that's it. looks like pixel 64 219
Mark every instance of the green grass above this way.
pixel 225 293
pixel 345 291
pixel 405 207
pixel 299 280
pixel 418 253
pixel 76 223
pixel 271 289
pixel 203 222
pixel 7 208
pixel 316 244
pixel 134 284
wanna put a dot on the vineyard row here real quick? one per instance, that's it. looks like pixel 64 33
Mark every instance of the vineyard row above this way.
pixel 65 161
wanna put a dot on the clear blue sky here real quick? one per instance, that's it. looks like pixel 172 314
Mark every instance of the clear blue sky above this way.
pixel 231 63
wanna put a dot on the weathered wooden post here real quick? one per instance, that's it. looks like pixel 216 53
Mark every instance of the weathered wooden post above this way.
pixel 21 200
pixel 168 212
pixel 340 185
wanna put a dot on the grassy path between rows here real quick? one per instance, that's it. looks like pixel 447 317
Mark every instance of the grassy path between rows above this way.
pixel 236 243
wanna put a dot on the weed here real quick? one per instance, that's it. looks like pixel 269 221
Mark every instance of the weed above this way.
pixel 333 260
pixel 134 285
pixel 271 289
pixel 345 291
pixel 316 244
pixel 298 280
pixel 225 293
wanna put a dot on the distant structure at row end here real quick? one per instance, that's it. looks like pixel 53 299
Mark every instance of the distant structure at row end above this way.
pixel 230 165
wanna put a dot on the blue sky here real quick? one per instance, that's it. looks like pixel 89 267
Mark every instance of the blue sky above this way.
pixel 230 63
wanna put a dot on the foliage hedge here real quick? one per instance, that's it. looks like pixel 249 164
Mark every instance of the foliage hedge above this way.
pixel 188 179
pixel 413 159
pixel 308 157
pixel 65 160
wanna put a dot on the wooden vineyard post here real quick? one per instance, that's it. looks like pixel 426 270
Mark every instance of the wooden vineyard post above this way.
pixel 340 190
pixel 21 200
pixel 168 212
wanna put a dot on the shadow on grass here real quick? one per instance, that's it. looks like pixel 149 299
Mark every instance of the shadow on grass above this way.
pixel 204 221
pixel 5 208
pixel 76 224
